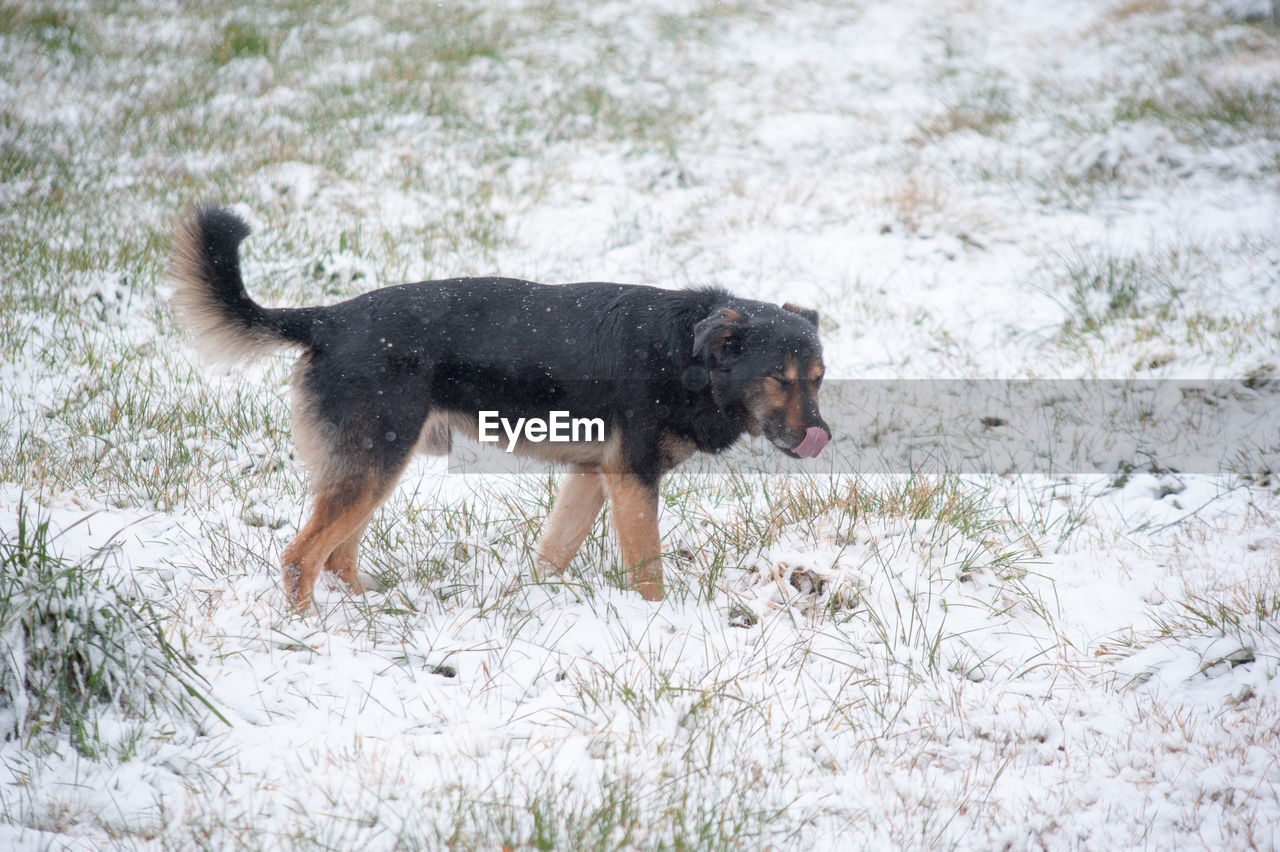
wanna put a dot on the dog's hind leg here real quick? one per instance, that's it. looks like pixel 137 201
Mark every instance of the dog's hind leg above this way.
pixel 355 423
pixel 342 562
pixel 340 515
pixel 635 517
pixel 574 511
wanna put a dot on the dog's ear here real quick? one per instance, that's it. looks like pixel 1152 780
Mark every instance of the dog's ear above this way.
pixel 715 339
pixel 808 313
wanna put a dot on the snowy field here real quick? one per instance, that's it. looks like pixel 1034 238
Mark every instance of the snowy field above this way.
pixel 876 657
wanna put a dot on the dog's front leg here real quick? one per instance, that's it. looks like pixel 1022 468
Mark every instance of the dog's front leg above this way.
pixel 635 516
pixel 574 511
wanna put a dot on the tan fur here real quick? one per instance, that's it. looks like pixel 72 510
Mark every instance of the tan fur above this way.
pixel 312 437
pixel 338 519
pixel 765 396
pixel 435 438
pixel 574 511
pixel 675 452
pixel 581 496
pixel 635 518
pixel 342 562
pixel 791 397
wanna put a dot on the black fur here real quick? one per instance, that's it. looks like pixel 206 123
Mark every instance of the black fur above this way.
pixel 651 363
pixel 220 234
pixel 669 372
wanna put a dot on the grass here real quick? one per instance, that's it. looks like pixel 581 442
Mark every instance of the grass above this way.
pixel 832 648
pixel 1106 288
pixel 1202 89
pixel 882 555
pixel 1214 630
pixel 982 106
pixel 1099 289
pixel 74 647
pixel 613 813
pixel 916 203
pixel 1210 112
pixel 1240 611
pixel 54 29
pixel 239 39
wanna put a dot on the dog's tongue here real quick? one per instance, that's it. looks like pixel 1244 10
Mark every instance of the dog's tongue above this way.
pixel 815 438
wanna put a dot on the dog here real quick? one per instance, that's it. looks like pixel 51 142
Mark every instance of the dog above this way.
pixel 398 370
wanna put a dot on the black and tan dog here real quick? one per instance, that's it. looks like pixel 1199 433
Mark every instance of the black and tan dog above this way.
pixel 394 371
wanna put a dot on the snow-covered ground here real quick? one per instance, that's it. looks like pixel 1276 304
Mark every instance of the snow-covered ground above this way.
pixel 1084 655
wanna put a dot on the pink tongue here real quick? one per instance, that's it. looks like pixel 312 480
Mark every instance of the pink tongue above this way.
pixel 814 440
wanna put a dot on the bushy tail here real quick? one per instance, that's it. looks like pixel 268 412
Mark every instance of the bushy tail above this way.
pixel 210 300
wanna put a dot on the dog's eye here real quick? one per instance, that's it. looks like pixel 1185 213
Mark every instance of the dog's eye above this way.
pixel 782 380
pixel 817 383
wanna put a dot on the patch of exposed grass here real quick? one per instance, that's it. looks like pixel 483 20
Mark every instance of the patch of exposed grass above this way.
pixel 982 106
pixel 1212 114
pixel 1241 611
pixel 239 39
pixel 917 203
pixel 1131 8
pixel 1213 89
pixel 110 429
pixel 946 532
pixel 73 644
pixel 948 500
pixel 618 813
pixel 1098 288
pixel 1208 632
pixel 52 29
pixel 593 110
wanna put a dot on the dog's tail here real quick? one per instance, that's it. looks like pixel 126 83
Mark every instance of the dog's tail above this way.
pixel 210 300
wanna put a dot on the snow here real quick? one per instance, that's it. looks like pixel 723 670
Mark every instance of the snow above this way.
pixel 1076 646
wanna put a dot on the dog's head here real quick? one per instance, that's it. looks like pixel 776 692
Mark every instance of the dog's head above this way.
pixel 765 367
